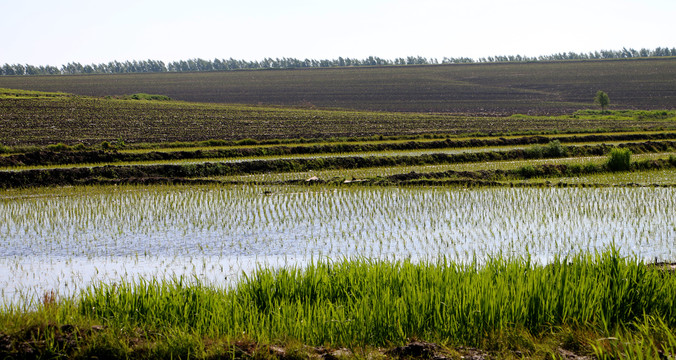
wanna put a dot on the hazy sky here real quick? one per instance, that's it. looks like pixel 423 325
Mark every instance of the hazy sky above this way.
pixel 90 31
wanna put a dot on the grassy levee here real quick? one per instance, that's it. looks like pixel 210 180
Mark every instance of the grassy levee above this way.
pixel 504 88
pixel 52 156
pixel 178 173
pixel 507 307
pixel 498 177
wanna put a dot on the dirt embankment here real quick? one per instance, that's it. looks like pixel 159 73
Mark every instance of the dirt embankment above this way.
pixel 199 173
pixel 100 156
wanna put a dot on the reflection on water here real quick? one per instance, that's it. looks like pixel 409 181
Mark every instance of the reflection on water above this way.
pixel 65 239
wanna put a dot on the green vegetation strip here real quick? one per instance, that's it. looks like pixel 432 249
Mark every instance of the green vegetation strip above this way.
pixel 506 177
pixel 602 305
pixel 71 176
pixel 60 154
pixel 373 172
pixel 647 177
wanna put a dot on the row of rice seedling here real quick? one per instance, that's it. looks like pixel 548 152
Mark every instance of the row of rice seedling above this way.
pixel 26 279
pixel 80 175
pixel 98 221
pixel 371 172
pixel 649 177
pixel 479 139
pixel 272 157
pixel 40 160
pixel 235 225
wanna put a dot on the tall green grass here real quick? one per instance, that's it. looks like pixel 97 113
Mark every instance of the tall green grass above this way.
pixel 367 302
pixel 619 159
pixel 647 338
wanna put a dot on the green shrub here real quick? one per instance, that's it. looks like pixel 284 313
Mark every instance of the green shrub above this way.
pixel 672 160
pixel 144 96
pixel 619 159
pixel 552 149
pixel 590 168
pixel 527 171
pixel 106 145
pixel 4 149
pixel 58 147
pixel 535 152
pixel 79 146
pixel 555 149
pixel 574 169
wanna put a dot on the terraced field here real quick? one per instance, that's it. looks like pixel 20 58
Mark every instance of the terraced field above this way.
pixel 71 120
pixel 150 229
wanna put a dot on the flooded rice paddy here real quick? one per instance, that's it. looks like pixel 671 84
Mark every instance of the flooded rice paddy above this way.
pixel 67 238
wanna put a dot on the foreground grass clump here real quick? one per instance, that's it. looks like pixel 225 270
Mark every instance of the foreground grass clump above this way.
pixel 379 303
pixel 502 306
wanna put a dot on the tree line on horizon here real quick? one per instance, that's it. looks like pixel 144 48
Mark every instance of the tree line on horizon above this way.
pixel 192 65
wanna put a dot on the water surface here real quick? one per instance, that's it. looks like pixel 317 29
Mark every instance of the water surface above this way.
pixel 64 239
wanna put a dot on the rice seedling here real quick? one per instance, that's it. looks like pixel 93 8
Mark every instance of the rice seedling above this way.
pixel 646 338
pixel 371 172
pixel 80 235
pixel 362 302
pixel 646 178
pixel 600 304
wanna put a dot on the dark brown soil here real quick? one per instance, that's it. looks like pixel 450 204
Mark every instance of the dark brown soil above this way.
pixel 501 88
